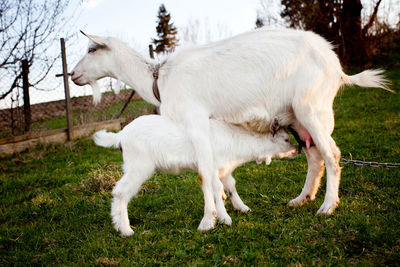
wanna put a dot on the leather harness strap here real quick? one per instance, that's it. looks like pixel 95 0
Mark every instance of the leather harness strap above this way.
pixel 156 92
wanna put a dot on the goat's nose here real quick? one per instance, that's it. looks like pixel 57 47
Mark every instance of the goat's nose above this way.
pixel 72 73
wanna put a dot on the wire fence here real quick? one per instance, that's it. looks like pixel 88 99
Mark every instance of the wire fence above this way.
pixel 47 103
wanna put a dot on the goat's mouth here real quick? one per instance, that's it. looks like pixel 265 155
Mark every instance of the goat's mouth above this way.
pixel 293 153
pixel 76 80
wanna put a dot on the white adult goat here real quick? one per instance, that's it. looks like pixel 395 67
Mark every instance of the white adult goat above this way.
pixel 154 142
pixel 249 79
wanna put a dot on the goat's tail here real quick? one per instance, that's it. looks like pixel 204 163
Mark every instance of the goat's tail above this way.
pixel 106 139
pixel 368 78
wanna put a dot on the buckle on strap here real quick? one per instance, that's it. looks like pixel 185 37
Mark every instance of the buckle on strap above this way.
pixel 156 92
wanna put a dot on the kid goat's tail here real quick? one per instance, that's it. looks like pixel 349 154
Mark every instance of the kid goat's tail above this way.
pixel 368 78
pixel 106 139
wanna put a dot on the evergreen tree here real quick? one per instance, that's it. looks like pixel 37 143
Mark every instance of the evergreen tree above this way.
pixel 259 21
pixel 166 31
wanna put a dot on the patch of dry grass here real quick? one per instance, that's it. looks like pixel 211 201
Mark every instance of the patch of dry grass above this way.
pixel 102 179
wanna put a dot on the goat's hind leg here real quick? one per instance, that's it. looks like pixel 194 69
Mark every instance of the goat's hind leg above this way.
pixel 320 126
pixel 315 171
pixel 126 188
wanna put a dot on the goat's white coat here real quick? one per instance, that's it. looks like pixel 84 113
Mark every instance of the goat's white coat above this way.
pixel 249 79
pixel 153 142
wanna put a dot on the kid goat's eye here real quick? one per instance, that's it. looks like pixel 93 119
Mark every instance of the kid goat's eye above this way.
pixel 92 50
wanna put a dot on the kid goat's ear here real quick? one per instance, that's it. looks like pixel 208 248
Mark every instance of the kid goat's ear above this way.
pixel 96 39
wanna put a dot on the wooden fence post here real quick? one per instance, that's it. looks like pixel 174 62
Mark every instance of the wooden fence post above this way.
pixel 27 102
pixel 67 95
pixel 151 51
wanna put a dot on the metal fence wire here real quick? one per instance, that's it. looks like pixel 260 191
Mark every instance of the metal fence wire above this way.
pixel 369 163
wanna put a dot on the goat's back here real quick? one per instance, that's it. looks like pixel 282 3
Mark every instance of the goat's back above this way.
pixel 160 138
pixel 255 72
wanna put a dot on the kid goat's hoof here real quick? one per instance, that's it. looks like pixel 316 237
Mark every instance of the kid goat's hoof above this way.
pixel 225 219
pixel 244 209
pixel 207 223
pixel 126 233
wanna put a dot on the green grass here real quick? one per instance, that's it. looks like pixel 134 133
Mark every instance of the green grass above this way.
pixel 55 210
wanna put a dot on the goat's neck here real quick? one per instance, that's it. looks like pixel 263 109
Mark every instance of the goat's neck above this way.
pixel 249 147
pixel 134 70
pixel 259 146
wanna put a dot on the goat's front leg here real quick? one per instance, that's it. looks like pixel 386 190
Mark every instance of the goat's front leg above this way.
pixel 198 128
pixel 195 121
pixel 201 143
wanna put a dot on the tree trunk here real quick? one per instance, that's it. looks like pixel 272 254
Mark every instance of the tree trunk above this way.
pixel 354 50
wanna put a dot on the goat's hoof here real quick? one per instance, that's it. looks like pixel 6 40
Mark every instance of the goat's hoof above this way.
pixel 328 207
pixel 244 209
pixel 299 201
pixel 294 203
pixel 126 232
pixel 226 219
pixel 207 223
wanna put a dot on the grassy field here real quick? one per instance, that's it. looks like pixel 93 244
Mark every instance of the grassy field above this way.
pixel 55 203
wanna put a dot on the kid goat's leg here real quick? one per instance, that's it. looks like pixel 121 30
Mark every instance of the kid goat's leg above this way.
pixel 315 171
pixel 229 184
pixel 126 188
pixel 218 189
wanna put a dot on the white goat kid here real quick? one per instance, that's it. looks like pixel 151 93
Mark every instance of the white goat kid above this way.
pixel 249 79
pixel 153 142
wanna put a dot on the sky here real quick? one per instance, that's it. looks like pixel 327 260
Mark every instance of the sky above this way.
pixel 134 21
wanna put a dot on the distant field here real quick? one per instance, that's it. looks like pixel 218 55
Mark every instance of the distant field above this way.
pixel 51 115
pixel 55 203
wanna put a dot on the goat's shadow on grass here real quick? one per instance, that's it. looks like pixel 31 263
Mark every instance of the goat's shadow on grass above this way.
pixel 135 221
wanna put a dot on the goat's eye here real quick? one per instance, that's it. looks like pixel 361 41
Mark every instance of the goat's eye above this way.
pixel 92 50
pixel 287 140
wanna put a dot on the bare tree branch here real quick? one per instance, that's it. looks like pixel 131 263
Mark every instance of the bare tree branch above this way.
pixel 12 87
pixel 29 30
pixel 372 18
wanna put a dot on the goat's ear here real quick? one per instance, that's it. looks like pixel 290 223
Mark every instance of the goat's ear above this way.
pixel 96 39
pixel 83 33
pixel 275 127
